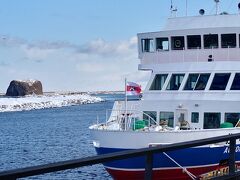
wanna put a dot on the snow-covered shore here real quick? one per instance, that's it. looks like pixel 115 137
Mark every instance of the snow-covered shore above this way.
pixel 45 101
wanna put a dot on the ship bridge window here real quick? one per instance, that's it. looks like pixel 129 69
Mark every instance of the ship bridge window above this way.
pixel 228 40
pixel 194 42
pixel 177 42
pixel 220 81
pixel 232 118
pixel 210 41
pixel 196 81
pixel 158 82
pixel 167 117
pixel 236 82
pixel 191 81
pixel 147 45
pixel 175 82
pixel 162 44
pixel 202 81
pixel 212 120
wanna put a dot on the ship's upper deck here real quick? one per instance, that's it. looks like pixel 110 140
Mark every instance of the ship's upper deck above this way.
pixel 192 39
pixel 202 22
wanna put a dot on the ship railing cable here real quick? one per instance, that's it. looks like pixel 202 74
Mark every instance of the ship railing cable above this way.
pixel 132 117
pixel 192 176
pixel 238 123
pixel 151 119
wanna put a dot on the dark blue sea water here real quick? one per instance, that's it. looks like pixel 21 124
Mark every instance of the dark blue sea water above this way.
pixel 37 137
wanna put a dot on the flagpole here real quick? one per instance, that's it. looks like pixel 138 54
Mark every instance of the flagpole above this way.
pixel 125 103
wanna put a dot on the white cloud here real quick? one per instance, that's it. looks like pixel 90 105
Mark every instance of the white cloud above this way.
pixel 3 63
pixel 101 47
pixel 96 65
pixel 90 67
pixel 8 41
pixel 36 53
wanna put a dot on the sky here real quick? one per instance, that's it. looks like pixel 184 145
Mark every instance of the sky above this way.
pixel 82 45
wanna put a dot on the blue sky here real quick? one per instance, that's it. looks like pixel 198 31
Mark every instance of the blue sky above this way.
pixel 82 45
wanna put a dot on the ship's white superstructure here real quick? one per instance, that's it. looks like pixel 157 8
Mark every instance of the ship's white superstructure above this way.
pixel 193 93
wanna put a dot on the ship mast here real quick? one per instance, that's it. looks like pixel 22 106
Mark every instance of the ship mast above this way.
pixel 173 10
pixel 217 6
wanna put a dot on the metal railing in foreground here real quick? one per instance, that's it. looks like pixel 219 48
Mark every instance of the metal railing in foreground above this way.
pixel 148 152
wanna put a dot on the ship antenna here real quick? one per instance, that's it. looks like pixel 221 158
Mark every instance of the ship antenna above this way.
pixel 173 10
pixel 217 5
pixel 239 8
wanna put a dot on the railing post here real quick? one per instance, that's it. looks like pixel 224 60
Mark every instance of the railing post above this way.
pixel 148 166
pixel 232 156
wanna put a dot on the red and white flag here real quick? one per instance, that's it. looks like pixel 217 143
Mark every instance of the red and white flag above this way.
pixel 133 89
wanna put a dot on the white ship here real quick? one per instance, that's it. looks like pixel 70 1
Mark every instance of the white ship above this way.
pixel 193 93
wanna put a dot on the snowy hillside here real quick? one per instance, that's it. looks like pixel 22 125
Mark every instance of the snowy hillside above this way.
pixel 45 101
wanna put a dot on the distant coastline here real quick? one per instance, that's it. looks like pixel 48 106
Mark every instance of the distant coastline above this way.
pixel 76 92
pixel 47 100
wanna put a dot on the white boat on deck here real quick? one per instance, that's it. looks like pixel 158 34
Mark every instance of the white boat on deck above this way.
pixel 193 93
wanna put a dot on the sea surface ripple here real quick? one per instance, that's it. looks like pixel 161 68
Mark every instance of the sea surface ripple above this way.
pixel 38 137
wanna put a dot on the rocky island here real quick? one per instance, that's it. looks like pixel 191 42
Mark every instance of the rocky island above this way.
pixel 23 88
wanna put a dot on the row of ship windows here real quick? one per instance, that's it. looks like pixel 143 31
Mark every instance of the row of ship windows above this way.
pixel 193 42
pixel 195 81
pixel 210 120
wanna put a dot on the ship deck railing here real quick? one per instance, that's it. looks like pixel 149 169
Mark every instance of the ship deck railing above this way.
pixel 148 152
pixel 127 119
